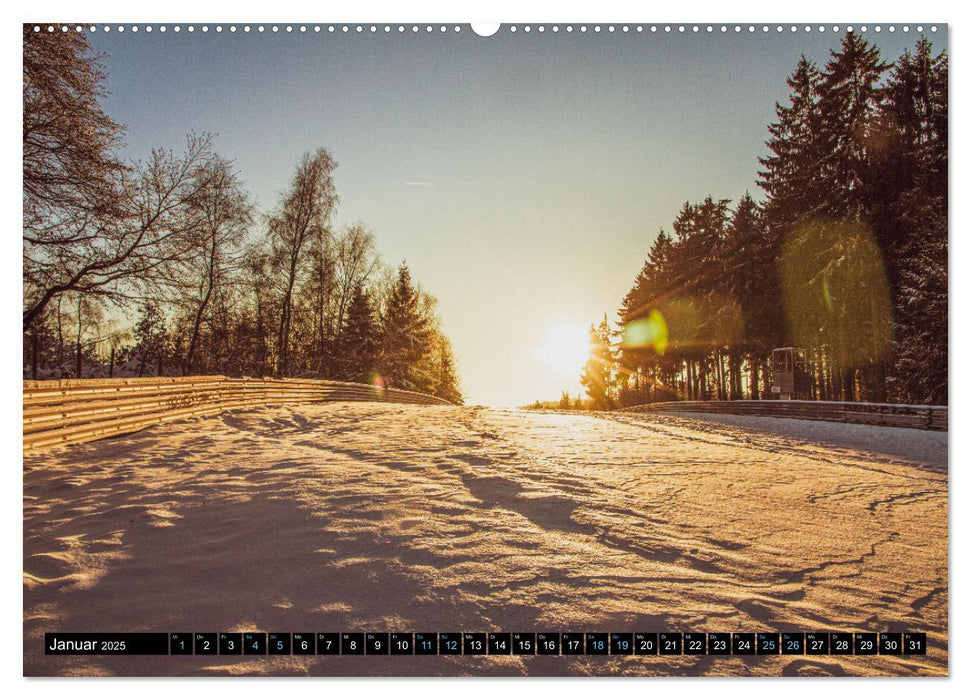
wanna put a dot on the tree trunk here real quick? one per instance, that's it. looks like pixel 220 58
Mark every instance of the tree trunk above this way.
pixel 77 344
pixel 880 391
pixel 739 389
pixel 33 355
pixel 197 320
pixel 283 340
pixel 716 371
pixel 849 393
pixel 753 368
pixel 60 337
pixel 734 377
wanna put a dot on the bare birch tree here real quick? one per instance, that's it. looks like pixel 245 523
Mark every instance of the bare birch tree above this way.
pixel 220 212
pixel 302 215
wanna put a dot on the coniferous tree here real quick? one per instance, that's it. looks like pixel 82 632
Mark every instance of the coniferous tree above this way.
pixel 920 374
pixel 150 337
pixel 849 101
pixel 791 175
pixel 597 375
pixel 849 105
pixel 447 381
pixel 915 124
pixel 405 331
pixel 846 256
pixel 752 281
pixel 359 342
pixel 640 352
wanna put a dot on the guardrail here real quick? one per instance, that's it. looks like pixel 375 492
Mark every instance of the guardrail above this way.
pixel 69 411
pixel 896 415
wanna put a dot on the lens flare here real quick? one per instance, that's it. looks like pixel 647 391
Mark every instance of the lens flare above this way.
pixel 835 291
pixel 377 384
pixel 827 297
pixel 650 332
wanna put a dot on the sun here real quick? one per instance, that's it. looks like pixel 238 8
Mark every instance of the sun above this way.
pixel 565 346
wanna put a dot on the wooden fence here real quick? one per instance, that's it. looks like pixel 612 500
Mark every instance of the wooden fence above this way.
pixel 897 415
pixel 68 411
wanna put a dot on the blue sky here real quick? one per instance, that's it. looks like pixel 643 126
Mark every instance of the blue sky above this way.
pixel 546 162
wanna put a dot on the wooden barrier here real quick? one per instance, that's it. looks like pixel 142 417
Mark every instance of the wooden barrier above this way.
pixel 69 411
pixel 896 415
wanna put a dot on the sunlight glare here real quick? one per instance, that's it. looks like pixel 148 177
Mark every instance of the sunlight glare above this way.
pixel 566 346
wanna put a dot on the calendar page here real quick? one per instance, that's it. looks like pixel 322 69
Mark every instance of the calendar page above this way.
pixel 449 349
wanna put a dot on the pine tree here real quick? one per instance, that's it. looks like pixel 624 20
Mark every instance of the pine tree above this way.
pixel 597 375
pixel 912 170
pixel 752 279
pixel 150 337
pixel 359 341
pixel 916 222
pixel 846 256
pixel 405 332
pixel 849 102
pixel 920 374
pixel 639 352
pixel 447 382
pixel 791 175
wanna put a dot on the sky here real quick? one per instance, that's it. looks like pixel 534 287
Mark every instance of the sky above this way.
pixel 522 176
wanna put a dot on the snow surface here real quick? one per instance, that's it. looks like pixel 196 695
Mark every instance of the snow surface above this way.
pixel 372 517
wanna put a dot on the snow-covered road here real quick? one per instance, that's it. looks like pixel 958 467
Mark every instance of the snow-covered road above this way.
pixel 374 517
